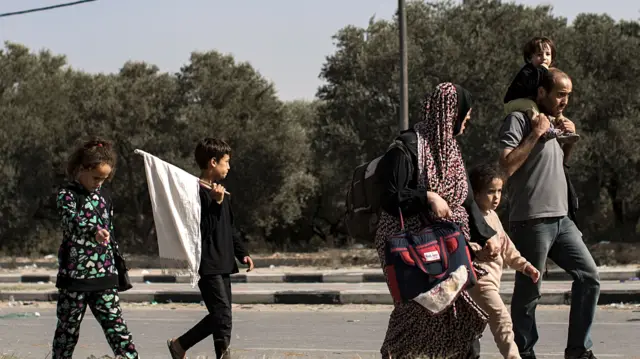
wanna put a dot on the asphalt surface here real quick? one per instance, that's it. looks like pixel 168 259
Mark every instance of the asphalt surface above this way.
pixel 506 287
pixel 553 293
pixel 279 331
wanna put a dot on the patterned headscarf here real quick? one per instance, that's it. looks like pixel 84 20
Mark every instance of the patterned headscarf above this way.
pixel 440 164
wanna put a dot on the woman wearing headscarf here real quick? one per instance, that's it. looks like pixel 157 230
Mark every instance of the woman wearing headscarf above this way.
pixel 436 189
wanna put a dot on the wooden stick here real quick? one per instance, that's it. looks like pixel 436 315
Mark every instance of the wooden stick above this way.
pixel 206 185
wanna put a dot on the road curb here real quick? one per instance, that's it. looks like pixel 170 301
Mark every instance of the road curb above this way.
pixel 307 297
pixel 259 262
pixel 309 277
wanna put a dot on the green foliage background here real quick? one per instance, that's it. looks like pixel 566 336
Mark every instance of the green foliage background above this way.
pixel 293 160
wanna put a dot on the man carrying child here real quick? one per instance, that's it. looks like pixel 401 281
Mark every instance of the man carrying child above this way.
pixel 539 221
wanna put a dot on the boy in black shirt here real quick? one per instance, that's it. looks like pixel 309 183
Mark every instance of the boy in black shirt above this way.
pixel 220 244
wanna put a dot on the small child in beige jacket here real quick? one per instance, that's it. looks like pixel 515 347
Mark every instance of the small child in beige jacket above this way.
pixel 487 182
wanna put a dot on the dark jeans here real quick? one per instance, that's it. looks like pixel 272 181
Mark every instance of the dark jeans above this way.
pixel 216 294
pixel 558 239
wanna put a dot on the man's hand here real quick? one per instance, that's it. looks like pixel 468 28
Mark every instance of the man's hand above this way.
pixel 249 261
pixel 566 124
pixel 217 192
pixel 540 124
pixel 102 236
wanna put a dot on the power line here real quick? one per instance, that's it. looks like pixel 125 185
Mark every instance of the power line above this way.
pixel 45 8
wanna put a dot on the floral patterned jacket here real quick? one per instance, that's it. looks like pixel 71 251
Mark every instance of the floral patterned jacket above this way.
pixel 84 263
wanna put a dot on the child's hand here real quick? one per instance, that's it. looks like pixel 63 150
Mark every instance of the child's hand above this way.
pixel 217 192
pixel 249 261
pixel 102 236
pixel 492 248
pixel 485 255
pixel 532 272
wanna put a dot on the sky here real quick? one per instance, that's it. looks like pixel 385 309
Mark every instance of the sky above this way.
pixel 287 41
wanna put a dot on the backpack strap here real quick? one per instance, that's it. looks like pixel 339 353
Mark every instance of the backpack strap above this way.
pixel 409 145
pixel 410 139
pixel 106 194
pixel 77 192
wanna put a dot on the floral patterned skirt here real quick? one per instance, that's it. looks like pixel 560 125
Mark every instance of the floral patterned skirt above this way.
pixel 416 333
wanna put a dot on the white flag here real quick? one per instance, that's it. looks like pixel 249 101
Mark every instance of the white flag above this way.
pixel 175 201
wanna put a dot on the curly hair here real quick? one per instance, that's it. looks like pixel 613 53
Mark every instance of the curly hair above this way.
pixel 90 155
pixel 482 175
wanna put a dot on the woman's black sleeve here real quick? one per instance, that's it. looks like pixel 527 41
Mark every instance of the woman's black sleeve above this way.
pixel 396 174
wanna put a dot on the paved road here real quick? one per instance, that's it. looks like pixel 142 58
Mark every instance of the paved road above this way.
pixel 281 332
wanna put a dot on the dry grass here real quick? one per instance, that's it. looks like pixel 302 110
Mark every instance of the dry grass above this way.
pixel 610 254
pixel 613 254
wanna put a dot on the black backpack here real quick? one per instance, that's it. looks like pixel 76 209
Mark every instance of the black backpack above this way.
pixel 364 194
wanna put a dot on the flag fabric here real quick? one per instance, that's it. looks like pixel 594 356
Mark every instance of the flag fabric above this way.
pixel 175 201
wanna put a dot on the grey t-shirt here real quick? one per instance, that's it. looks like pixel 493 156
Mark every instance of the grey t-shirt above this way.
pixel 538 189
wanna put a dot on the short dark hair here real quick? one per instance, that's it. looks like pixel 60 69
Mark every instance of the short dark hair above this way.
pixel 482 175
pixel 550 79
pixel 208 149
pixel 90 155
pixel 537 44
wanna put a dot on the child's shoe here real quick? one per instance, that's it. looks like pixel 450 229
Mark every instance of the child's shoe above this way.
pixel 568 137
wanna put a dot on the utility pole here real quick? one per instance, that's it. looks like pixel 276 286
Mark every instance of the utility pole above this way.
pixel 403 120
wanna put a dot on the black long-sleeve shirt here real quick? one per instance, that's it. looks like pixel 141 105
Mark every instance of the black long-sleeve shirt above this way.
pixel 526 82
pixel 220 240
pixel 399 179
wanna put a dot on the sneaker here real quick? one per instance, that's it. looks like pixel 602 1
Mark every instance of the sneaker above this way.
pixel 530 355
pixel 588 354
pixel 568 137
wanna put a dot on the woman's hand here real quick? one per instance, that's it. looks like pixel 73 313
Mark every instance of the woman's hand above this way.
pixel 439 206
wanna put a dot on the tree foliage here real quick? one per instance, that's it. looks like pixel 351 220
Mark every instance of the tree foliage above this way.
pixel 479 46
pixel 292 162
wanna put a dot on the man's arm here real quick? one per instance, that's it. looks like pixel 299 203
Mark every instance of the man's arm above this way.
pixel 567 125
pixel 517 147
pixel 511 159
